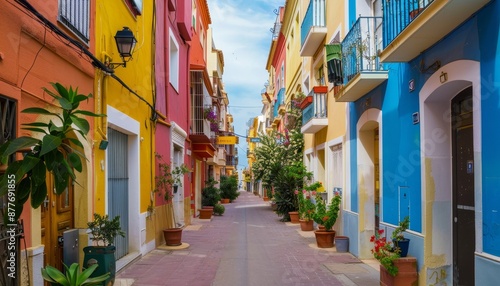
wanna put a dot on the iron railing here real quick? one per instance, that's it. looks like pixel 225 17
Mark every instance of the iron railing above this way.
pixel 317 109
pixel 315 16
pixel 280 100
pixel 361 46
pixel 398 15
pixel 76 16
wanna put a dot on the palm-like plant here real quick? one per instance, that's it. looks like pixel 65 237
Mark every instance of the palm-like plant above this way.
pixel 58 150
pixel 73 276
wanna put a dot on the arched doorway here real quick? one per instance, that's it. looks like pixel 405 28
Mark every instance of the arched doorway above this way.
pixel 450 116
pixel 368 179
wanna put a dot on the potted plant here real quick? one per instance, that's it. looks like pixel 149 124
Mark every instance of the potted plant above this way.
pixel 72 276
pixel 306 210
pixel 391 262
pixel 398 238
pixel 103 232
pixel 416 7
pixel 326 216
pixel 55 151
pixel 210 196
pixel 219 209
pixel 228 188
pixel 168 180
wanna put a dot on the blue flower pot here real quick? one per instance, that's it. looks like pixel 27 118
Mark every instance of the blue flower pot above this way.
pixel 403 246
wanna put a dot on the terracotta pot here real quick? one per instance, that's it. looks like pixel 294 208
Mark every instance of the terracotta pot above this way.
pixel 321 227
pixel 172 236
pixel 407 273
pixel 306 225
pixel 205 213
pixel 324 239
pixel 266 199
pixel 294 217
pixel 224 201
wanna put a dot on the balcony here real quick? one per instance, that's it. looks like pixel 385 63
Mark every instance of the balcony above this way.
pixel 314 116
pixel 279 104
pixel 411 28
pixel 200 127
pixel 313 29
pixel 360 61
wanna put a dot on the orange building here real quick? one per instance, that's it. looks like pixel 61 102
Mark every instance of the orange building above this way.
pixel 42 43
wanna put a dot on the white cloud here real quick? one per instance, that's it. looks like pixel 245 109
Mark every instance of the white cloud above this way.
pixel 241 29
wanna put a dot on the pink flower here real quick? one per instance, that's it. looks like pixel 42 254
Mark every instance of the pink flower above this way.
pixel 313 193
pixel 304 192
pixel 296 192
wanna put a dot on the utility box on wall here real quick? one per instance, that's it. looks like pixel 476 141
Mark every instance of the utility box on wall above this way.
pixel 69 242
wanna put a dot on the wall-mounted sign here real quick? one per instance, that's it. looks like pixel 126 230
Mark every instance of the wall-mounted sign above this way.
pixel 411 85
pixel 227 140
pixel 255 139
pixel 415 118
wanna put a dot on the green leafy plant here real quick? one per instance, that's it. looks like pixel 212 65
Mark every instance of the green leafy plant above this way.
pixel 306 207
pixel 105 230
pixel 327 215
pixel 397 234
pixel 73 276
pixel 210 194
pixel 219 209
pixel 384 252
pixel 229 187
pixel 168 177
pixel 58 151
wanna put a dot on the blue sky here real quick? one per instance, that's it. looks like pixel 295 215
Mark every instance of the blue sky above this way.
pixel 241 29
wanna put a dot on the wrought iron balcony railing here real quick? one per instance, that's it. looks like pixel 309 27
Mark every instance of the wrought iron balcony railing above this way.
pixel 360 47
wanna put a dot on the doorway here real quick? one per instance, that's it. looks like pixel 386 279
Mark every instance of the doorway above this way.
pixel 463 188
pixel 57 216
pixel 118 183
pixel 368 177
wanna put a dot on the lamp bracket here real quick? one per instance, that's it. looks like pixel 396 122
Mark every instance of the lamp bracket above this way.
pixel 115 65
pixel 433 67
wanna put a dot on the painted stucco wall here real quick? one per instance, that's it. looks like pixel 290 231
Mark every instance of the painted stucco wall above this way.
pixel 468 54
pixel 126 112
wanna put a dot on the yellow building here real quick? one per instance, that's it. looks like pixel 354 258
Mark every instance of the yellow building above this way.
pixel 124 144
pixel 324 120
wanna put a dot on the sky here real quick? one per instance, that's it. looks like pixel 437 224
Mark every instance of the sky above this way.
pixel 242 30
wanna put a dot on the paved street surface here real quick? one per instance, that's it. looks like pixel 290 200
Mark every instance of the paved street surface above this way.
pixel 247 246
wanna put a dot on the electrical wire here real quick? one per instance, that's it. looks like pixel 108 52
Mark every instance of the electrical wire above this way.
pixel 36 56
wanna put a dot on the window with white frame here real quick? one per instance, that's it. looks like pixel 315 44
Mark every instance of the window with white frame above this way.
pixel 75 15
pixel 174 62
pixel 282 75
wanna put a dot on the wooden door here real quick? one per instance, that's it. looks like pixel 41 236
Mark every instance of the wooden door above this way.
pixel 463 190
pixel 57 217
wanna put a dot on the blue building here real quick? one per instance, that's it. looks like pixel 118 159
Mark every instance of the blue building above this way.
pixel 423 81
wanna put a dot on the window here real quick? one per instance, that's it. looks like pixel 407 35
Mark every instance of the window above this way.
pixel 320 76
pixel 194 15
pixel 282 75
pixel 174 62
pixel 8 132
pixel 75 15
pixel 137 5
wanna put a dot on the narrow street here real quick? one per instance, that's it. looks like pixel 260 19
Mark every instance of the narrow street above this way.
pixel 248 245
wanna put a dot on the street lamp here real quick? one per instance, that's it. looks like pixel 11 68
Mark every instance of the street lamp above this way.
pixel 125 42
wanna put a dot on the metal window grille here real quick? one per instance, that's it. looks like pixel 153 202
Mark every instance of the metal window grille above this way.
pixel 8 132
pixel 75 14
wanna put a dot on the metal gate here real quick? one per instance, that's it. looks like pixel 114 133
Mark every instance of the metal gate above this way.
pixel 118 186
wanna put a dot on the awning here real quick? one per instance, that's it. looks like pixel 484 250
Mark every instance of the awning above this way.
pixel 333 51
pixel 334 63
